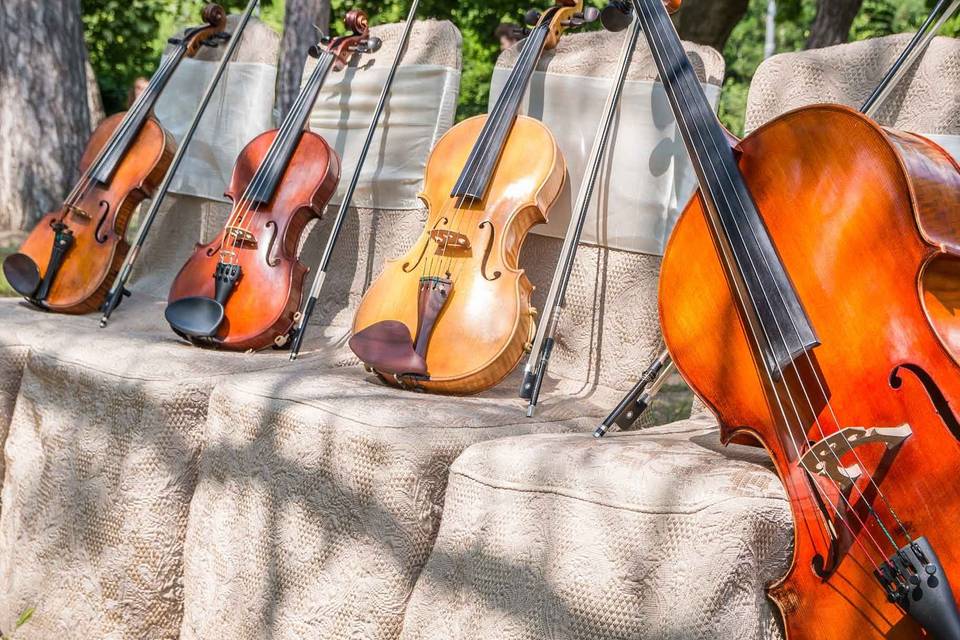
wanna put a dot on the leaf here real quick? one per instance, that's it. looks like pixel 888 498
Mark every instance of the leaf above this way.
pixel 24 617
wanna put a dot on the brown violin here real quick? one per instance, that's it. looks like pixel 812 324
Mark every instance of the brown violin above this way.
pixel 242 290
pixel 454 314
pixel 809 295
pixel 69 260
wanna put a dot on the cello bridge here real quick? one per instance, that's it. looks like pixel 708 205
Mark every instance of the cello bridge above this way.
pixel 823 457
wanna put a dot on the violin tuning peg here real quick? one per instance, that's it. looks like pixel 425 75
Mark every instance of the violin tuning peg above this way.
pixel 591 14
pixel 532 17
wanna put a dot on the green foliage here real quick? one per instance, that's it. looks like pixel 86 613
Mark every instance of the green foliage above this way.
pixel 126 37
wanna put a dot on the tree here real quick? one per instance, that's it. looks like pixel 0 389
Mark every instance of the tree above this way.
pixel 832 22
pixel 44 112
pixel 298 35
pixel 709 22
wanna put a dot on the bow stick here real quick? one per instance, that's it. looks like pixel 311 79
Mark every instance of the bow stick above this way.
pixel 308 307
pixel 119 290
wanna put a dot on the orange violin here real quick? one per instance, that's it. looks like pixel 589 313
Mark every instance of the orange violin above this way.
pixel 69 260
pixel 454 314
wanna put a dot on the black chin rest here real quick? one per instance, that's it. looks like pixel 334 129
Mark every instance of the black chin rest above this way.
pixel 388 348
pixel 196 317
pixel 22 273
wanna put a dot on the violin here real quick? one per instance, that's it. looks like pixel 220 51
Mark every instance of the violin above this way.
pixel 242 290
pixel 454 314
pixel 809 295
pixel 70 258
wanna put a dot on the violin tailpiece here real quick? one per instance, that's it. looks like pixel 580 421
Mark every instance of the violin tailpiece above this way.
pixel 387 346
pixel 200 317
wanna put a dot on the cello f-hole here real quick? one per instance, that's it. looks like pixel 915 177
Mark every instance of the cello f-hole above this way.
pixel 937 399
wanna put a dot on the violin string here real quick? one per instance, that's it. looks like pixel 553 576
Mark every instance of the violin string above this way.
pixel 531 50
pixel 85 183
pixel 682 122
pixel 826 399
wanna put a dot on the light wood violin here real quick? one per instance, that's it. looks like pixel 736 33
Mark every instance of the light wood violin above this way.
pixel 242 290
pixel 454 315
pixel 809 295
pixel 71 257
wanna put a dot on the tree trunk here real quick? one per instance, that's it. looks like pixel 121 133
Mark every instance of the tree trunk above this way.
pixel 44 114
pixel 832 24
pixel 709 22
pixel 298 35
pixel 94 99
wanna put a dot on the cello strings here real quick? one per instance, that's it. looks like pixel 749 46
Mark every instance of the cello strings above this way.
pixel 826 399
pixel 683 123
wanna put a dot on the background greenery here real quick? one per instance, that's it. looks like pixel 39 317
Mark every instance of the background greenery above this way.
pixel 125 37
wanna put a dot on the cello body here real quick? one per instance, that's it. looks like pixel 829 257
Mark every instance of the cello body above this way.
pixel 488 320
pixel 867 223
pixel 264 302
pixel 99 219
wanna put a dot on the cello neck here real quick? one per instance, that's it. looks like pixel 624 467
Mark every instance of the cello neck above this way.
pixel 475 177
pixel 267 177
pixel 767 294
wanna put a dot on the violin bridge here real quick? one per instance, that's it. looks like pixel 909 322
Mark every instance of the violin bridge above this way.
pixel 450 242
pixel 78 212
pixel 823 458
pixel 241 235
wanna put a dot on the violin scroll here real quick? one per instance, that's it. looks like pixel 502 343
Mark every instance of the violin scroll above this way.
pixel 343 47
pixel 209 35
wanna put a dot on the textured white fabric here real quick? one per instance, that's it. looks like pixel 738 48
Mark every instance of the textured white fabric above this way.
pixel 421 107
pixel 108 425
pixel 646 178
pixel 655 534
pixel 240 109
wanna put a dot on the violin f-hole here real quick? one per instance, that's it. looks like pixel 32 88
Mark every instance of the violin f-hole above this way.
pixel 273 239
pixel 104 211
pixel 486 254
pixel 406 265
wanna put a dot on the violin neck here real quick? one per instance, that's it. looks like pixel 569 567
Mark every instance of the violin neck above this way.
pixel 267 177
pixel 478 171
pixel 767 292
pixel 105 165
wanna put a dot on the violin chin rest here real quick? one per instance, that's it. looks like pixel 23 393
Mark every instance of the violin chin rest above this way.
pixel 195 317
pixel 22 273
pixel 388 348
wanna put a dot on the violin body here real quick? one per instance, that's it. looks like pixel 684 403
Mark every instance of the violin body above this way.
pixel 488 321
pixel 262 307
pixel 867 223
pixel 100 217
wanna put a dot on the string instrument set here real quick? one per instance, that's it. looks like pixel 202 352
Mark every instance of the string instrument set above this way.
pixel 807 294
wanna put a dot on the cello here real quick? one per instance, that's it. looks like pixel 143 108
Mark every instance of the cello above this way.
pixel 454 314
pixel 242 290
pixel 809 296
pixel 69 260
